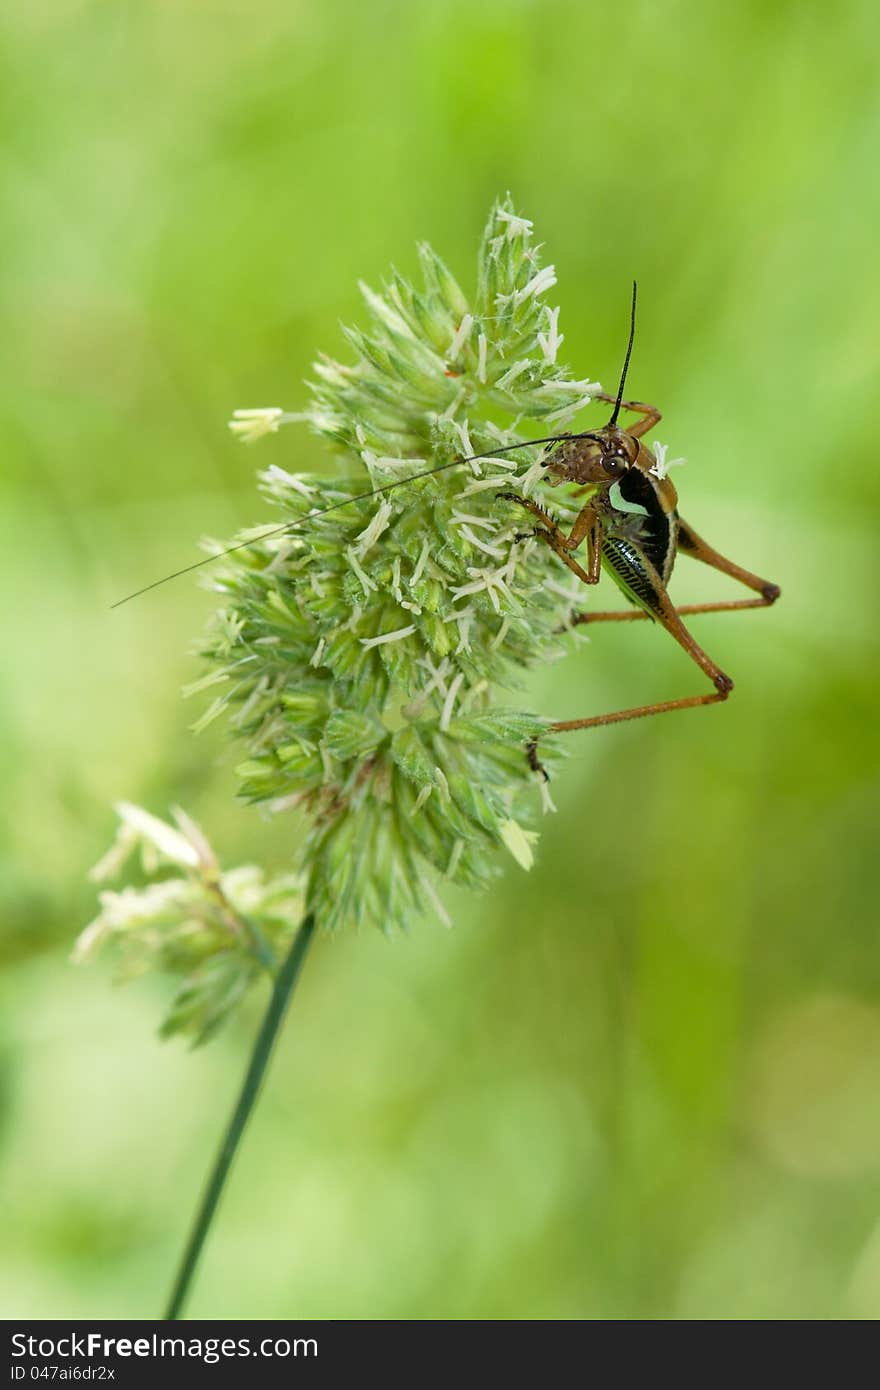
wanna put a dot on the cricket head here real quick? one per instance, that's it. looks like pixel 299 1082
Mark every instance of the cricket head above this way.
pixel 597 457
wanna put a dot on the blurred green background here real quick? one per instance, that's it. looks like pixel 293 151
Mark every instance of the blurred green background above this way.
pixel 644 1080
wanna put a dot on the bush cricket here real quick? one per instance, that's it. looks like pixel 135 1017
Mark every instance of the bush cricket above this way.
pixel 630 523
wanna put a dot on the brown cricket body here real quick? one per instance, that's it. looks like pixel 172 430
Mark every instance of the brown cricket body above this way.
pixel 632 527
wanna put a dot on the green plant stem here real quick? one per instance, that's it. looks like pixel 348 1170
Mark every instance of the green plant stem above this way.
pixel 282 993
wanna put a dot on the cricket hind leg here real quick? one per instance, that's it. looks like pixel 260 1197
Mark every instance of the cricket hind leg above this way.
pixel 664 613
pixel 634 615
pixel 689 543
pixel 669 617
pixel 723 685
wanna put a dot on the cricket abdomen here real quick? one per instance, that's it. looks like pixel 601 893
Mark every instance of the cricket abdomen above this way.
pixel 634 573
pixel 648 512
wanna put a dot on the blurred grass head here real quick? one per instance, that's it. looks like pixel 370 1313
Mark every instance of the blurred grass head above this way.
pixel 360 642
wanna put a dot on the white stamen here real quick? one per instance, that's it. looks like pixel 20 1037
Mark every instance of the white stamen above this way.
pixel 489 581
pixel 384 637
pixel 449 702
pixel 539 284
pixel 462 333
pixel 532 475
pixel 243 714
pixel 420 563
pixel 516 226
pixel 274 474
pixel 483 484
pixel 658 468
pixel 565 412
pixel 195 687
pixel 437 673
pixel 164 838
pixel 464 436
pixel 283 553
pixel 518 842
pixel 591 387
pixel 453 407
pixel 471 696
pixel 251 534
pixel 210 714
pixel 366 582
pixel 318 653
pixel 384 312
pixel 547 803
pixel 334 373
pixel 512 373
pixel 250 425
pixel 544 280
pixel 661 467
pixel 454 858
pixel 572 594
pixel 390 464
pixel 422 798
pixel 513 559
pixel 442 784
pixel 435 902
pixel 368 537
pixel 499 635
pixel 107 867
pixel 491 550
pixel 477 587
pixel 509 466
pixel 551 341
pixel 481 358
pixel 467 448
pixel 465 623
pixel 325 423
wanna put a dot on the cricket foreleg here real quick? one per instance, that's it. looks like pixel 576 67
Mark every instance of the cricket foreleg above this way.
pixel 534 507
pixel 553 535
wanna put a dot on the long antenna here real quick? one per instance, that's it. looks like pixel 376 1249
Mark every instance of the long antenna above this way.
pixel 399 482
pixel 629 348
pixel 346 502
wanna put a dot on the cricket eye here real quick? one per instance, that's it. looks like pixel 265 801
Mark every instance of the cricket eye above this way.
pixel 612 463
